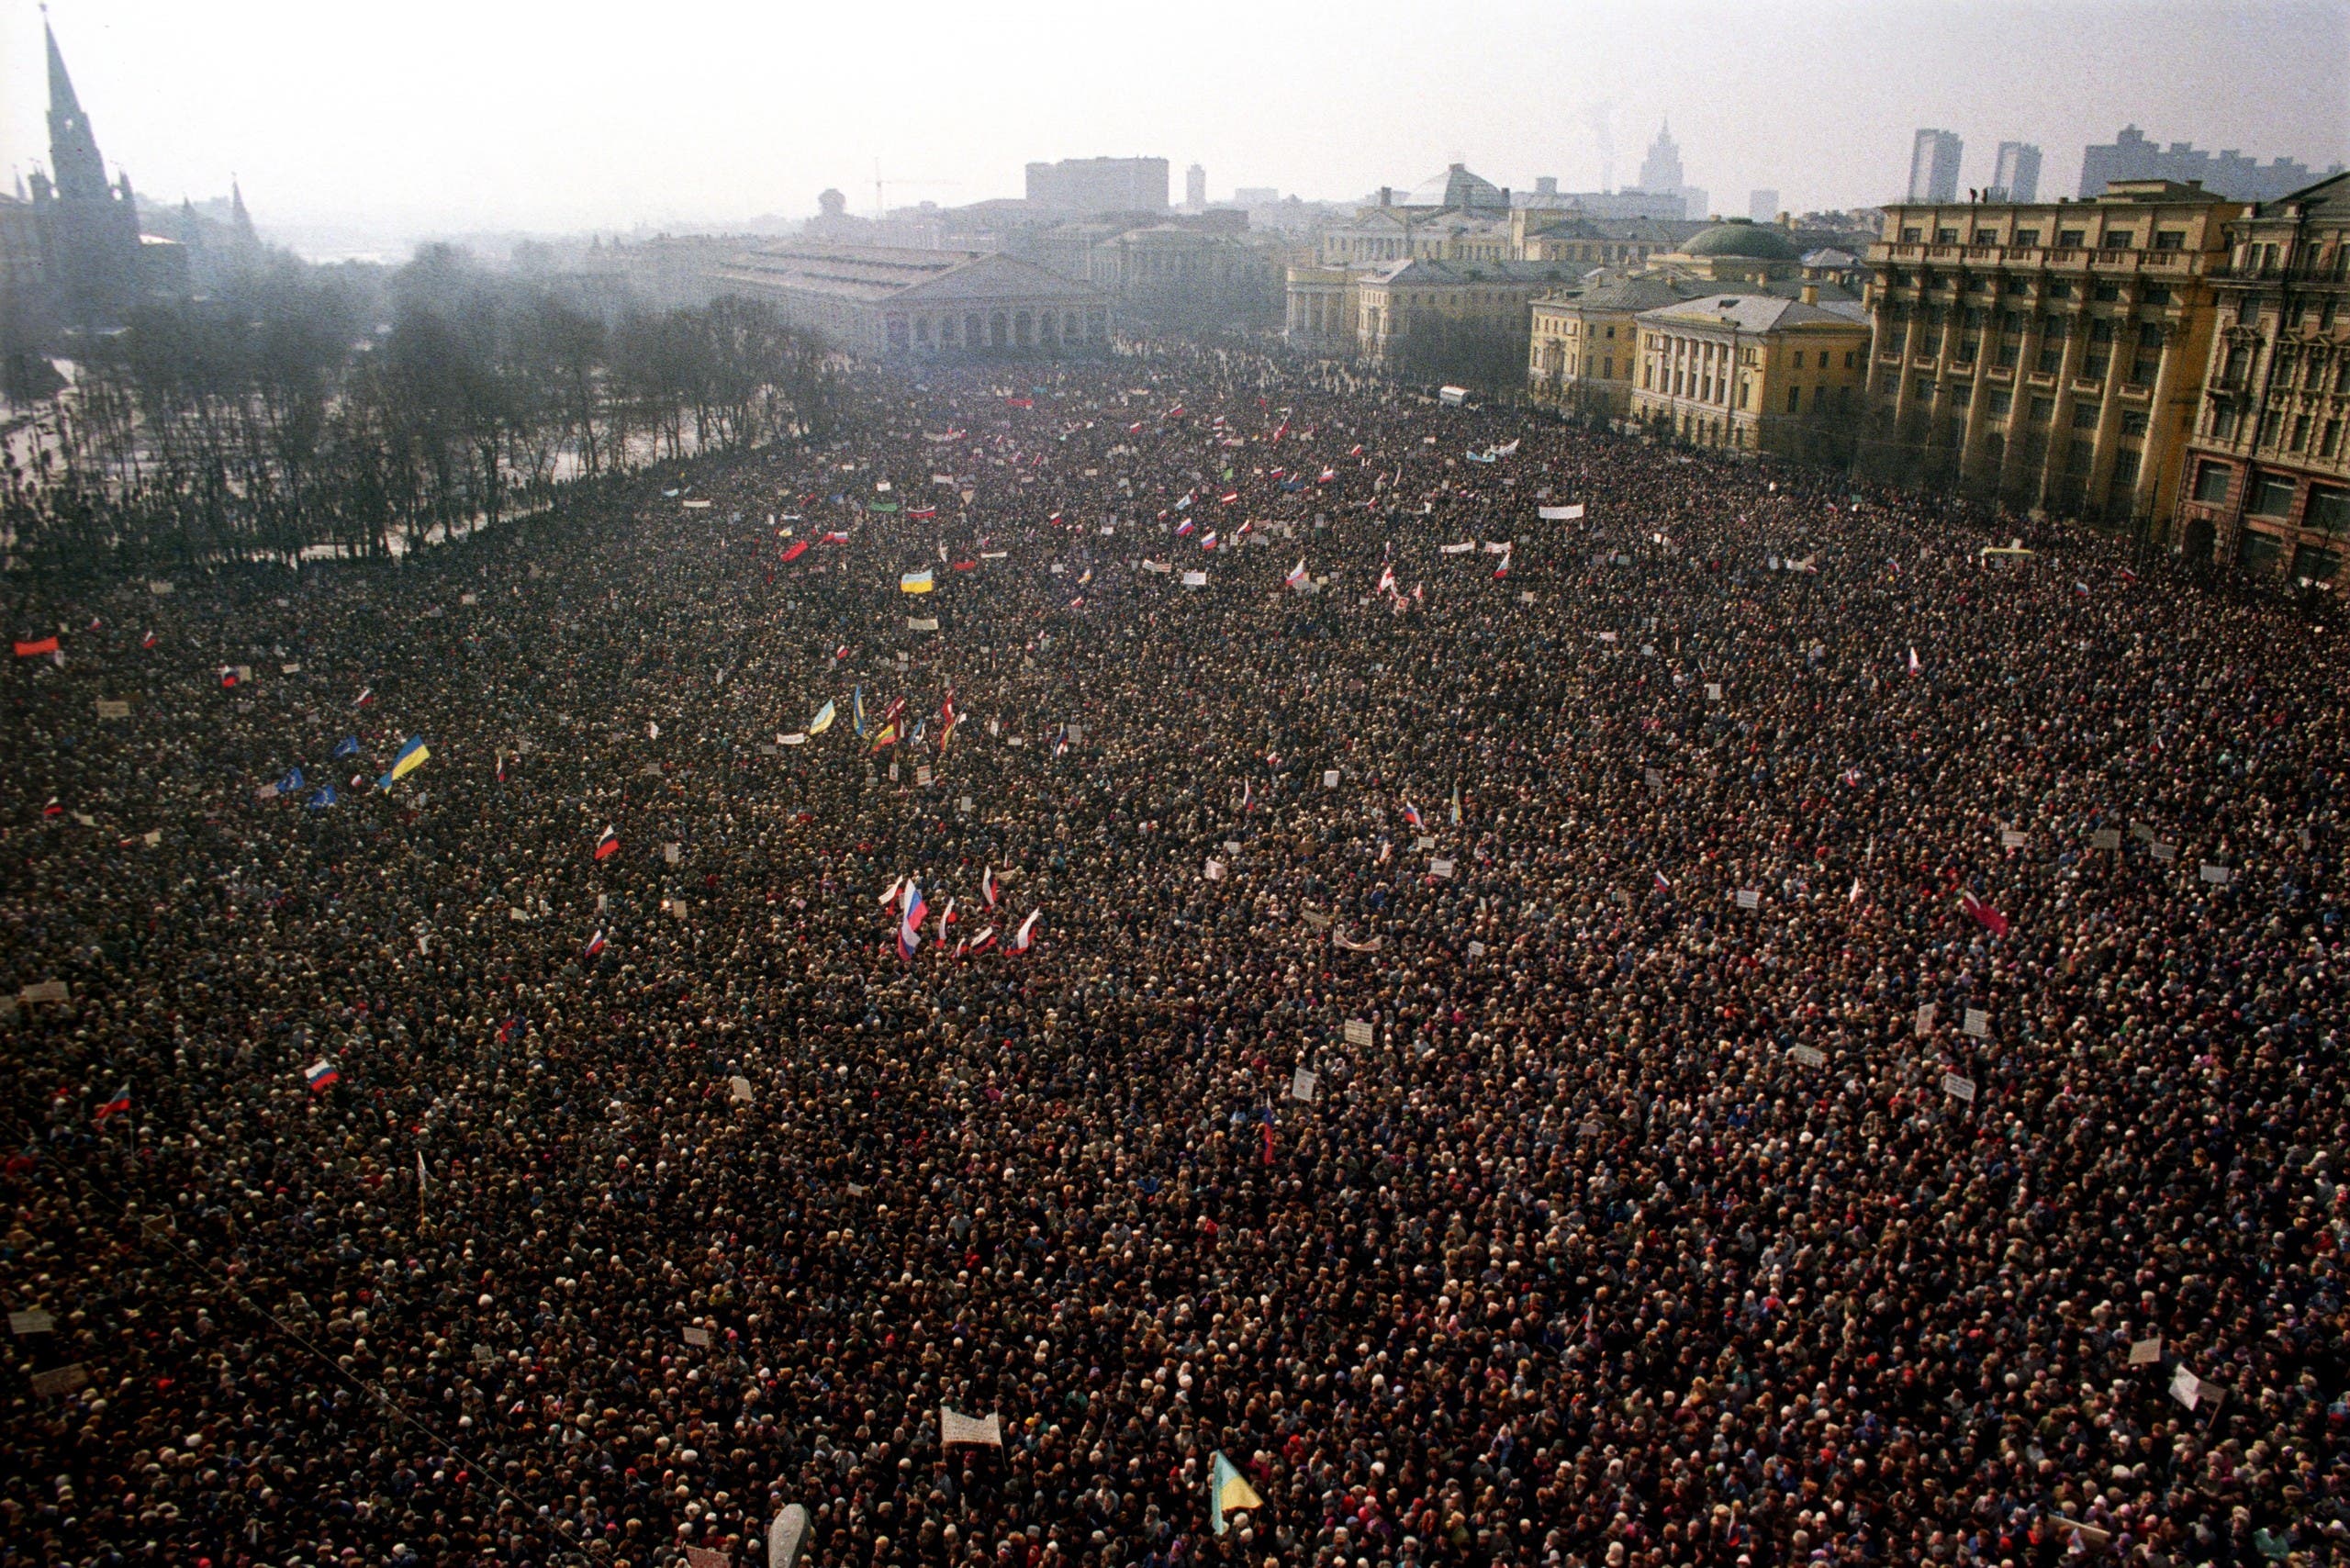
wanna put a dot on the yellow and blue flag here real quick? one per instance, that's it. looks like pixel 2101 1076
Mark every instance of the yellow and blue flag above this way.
pixel 856 710
pixel 412 755
pixel 823 719
pixel 1228 1493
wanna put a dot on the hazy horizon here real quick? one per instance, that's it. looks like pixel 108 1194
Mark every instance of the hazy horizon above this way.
pixel 438 119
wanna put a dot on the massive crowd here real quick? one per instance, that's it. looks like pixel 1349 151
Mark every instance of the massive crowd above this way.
pixel 1825 1044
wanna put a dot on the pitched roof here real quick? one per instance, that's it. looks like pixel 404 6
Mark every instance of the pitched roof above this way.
pixel 872 274
pixel 1754 313
pixel 2330 198
pixel 1423 271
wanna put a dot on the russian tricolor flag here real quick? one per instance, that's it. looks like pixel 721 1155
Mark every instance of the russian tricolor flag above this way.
pixel 1412 815
pixel 116 1106
pixel 1025 936
pixel 910 923
pixel 987 886
pixel 608 846
pixel 322 1075
pixel 595 944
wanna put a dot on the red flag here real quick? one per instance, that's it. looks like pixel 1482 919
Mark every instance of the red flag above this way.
pixel 148 641
pixel 798 547
pixel 1990 919
pixel 608 845
pixel 34 650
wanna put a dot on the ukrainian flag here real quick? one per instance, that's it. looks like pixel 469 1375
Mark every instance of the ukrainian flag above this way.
pixel 412 755
pixel 914 582
pixel 823 719
pixel 856 712
pixel 1228 1493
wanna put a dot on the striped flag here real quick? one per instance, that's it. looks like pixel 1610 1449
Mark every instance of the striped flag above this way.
pixel 608 846
pixel 321 1075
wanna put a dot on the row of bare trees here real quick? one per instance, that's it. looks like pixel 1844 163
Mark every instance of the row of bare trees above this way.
pixel 339 407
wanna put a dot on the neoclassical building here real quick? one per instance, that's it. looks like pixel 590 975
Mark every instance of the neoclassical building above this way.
pixel 1582 346
pixel 1752 372
pixel 2265 486
pixel 884 302
pixel 2048 355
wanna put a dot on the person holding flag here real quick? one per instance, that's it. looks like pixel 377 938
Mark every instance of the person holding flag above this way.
pixel 910 922
pixel 1228 1493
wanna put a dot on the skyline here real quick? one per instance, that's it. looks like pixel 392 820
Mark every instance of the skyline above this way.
pixel 332 119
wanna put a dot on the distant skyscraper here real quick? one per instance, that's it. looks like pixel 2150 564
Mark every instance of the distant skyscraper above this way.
pixel 1762 206
pixel 2017 178
pixel 1196 187
pixel 1934 166
pixel 1661 169
pixel 2130 156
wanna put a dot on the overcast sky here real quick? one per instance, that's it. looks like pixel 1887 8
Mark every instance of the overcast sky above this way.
pixel 430 115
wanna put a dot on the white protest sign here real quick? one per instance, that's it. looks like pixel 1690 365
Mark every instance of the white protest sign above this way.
pixel 1302 1086
pixel 2146 1352
pixel 1329 778
pixel 2217 874
pixel 739 1088
pixel 978 1432
pixel 1476 949
pixel 1358 1032
pixel 1441 870
pixel 1214 871
pixel 1977 1024
pixel 1958 1087
pixel 1196 579
pixel 698 1336
pixel 2186 1387
pixel 1749 898
pixel 1926 1012
pixel 1810 1055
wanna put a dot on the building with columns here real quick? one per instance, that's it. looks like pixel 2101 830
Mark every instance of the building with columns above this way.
pixel 882 302
pixel 1752 372
pixel 2048 355
pixel 2266 485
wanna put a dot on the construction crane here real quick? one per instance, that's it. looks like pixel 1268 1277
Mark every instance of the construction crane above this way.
pixel 880 201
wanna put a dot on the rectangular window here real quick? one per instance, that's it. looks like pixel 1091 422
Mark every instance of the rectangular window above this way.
pixel 2085 416
pixel 2258 552
pixel 1986 236
pixel 2272 495
pixel 2329 509
pixel 2316 563
pixel 2050 359
pixel 1848 358
pixel 2332 445
pixel 1799 359
pixel 2211 483
pixel 1794 400
pixel 2301 433
pixel 2044 410
pixel 1911 236
pixel 1998 403
pixel 2223 424
pixel 2026 239
pixel 1922 389
pixel 2170 239
pixel 2009 350
pixel 2070 239
pixel 1945 235
pixel 1607 368
pixel 2125 469
pixel 2134 421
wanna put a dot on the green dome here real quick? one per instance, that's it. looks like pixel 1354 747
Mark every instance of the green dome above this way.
pixel 1742 237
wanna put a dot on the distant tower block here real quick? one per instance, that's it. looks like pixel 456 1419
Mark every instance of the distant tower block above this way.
pixel 1196 187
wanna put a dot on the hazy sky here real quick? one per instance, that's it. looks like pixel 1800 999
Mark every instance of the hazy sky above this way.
pixel 492 114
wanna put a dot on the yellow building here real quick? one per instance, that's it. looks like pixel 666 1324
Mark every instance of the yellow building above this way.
pixel 1579 355
pixel 1752 372
pixel 1581 352
pixel 2267 482
pixel 2047 355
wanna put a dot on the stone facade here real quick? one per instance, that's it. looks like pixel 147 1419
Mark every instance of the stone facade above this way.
pixel 885 303
pixel 2265 486
pixel 2047 355
pixel 1752 372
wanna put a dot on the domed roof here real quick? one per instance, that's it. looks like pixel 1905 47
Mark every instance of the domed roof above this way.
pixel 1456 188
pixel 1741 237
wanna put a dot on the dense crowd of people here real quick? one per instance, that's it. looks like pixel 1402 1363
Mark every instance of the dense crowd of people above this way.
pixel 1731 1027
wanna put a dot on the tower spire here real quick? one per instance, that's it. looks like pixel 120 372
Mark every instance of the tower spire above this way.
pixel 73 157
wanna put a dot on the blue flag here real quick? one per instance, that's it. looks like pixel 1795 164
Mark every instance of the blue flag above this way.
pixel 291 782
pixel 323 798
pixel 347 746
pixel 856 709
